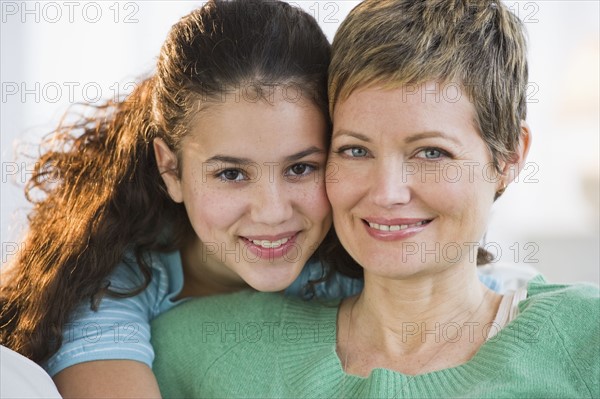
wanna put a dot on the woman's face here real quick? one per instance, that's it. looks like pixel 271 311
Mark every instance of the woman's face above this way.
pixel 252 184
pixel 411 181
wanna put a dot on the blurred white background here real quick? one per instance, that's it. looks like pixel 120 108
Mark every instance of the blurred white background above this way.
pixel 57 53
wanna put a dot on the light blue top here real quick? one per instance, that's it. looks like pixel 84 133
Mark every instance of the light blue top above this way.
pixel 120 329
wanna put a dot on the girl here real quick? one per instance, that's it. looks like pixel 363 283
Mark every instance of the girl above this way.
pixel 206 180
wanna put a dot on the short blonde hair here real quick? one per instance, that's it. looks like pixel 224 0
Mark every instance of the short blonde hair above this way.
pixel 476 43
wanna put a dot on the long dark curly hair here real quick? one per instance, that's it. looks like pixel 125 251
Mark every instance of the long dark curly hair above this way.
pixel 96 190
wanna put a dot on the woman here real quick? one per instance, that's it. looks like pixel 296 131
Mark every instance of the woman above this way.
pixel 428 107
pixel 208 179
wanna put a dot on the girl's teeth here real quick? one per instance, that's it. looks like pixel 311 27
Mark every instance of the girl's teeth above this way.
pixel 270 244
pixel 395 227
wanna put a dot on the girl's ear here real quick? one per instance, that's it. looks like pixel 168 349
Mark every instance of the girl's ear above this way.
pixel 512 168
pixel 167 167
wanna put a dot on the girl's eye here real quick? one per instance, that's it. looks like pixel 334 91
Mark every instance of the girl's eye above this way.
pixel 354 152
pixel 300 169
pixel 231 175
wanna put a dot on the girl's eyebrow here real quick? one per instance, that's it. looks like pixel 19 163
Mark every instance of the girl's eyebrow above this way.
pixel 229 159
pixel 246 161
pixel 304 153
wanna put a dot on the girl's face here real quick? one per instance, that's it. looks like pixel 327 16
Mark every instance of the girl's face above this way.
pixel 414 180
pixel 251 180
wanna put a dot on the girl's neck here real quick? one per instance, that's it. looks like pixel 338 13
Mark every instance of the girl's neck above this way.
pixel 415 325
pixel 205 275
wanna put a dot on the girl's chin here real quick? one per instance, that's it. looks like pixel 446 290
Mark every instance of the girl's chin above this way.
pixel 274 278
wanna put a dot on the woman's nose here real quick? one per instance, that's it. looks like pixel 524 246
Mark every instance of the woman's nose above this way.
pixel 390 184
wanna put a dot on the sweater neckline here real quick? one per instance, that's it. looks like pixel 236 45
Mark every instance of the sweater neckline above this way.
pixel 310 364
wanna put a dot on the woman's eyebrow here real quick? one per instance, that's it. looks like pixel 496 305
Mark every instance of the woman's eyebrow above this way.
pixel 246 161
pixel 344 132
pixel 409 139
pixel 427 135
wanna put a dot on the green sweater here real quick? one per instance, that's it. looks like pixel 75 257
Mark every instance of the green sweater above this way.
pixel 268 346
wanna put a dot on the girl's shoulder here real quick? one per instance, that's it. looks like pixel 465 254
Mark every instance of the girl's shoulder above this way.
pixel 120 327
pixel 316 281
pixel 166 279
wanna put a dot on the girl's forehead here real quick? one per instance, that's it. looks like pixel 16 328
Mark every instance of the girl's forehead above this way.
pixel 256 130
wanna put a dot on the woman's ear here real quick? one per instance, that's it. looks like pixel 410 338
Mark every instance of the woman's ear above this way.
pixel 167 167
pixel 512 168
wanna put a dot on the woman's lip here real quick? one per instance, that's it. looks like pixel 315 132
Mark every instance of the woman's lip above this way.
pixel 406 230
pixel 393 222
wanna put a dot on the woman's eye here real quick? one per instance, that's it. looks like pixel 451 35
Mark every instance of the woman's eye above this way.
pixel 431 153
pixel 231 175
pixel 355 152
pixel 300 169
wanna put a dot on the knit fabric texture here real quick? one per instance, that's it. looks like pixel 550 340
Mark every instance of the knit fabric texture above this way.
pixel 260 345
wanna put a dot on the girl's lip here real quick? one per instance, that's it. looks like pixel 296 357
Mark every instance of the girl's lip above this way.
pixel 276 237
pixel 259 252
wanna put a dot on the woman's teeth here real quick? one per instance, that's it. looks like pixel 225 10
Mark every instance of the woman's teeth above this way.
pixel 270 244
pixel 395 227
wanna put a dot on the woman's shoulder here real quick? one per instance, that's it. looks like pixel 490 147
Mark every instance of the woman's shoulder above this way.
pixel 569 306
pixel 582 293
pixel 240 306
pixel 572 313
pixel 238 311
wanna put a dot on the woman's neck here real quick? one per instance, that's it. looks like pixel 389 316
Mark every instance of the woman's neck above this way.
pixel 416 325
